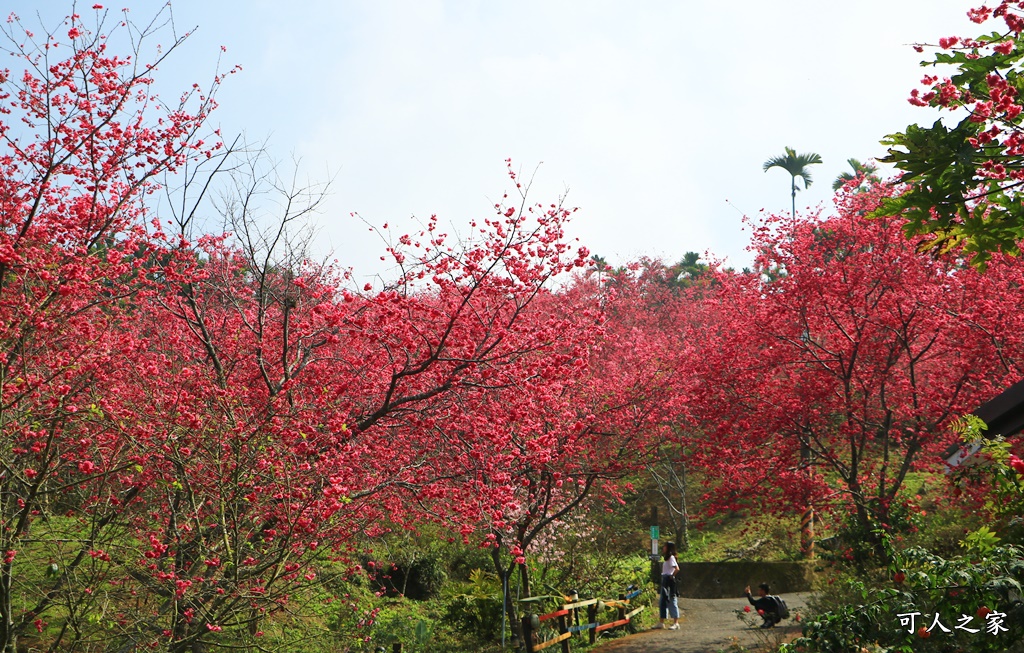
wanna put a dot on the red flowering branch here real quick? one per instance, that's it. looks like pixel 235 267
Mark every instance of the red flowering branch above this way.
pixel 83 140
pixel 847 343
pixel 963 182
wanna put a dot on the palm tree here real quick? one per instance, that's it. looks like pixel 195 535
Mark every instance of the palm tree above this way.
pixel 863 171
pixel 796 165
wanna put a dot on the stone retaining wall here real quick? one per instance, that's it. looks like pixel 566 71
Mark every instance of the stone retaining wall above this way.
pixel 721 580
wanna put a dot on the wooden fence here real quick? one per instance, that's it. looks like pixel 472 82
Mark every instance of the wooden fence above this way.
pixel 568 620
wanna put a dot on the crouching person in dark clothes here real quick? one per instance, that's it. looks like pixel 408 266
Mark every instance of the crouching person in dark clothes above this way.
pixel 764 605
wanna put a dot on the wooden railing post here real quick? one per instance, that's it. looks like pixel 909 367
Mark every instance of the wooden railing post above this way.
pixel 592 618
pixel 568 618
pixel 574 618
pixel 563 628
pixel 528 632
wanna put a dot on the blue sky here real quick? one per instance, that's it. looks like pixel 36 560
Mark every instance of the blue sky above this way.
pixel 655 117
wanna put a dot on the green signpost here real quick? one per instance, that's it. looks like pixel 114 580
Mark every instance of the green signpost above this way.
pixel 655 534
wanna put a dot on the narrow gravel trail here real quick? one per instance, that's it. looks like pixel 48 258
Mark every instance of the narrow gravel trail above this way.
pixel 706 626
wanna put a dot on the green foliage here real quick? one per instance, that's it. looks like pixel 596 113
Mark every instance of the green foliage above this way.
pixel 422 632
pixel 960 192
pixel 475 607
pixel 418 629
pixel 796 165
pixel 993 469
pixel 982 541
pixel 863 543
pixel 416 577
pixel 921 582
pixel 977 588
pixel 941 521
pixel 743 536
pixel 863 171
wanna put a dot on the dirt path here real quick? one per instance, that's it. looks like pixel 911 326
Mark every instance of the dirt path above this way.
pixel 706 626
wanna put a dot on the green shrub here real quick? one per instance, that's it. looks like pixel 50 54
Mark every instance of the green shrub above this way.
pixel 475 607
pixel 970 602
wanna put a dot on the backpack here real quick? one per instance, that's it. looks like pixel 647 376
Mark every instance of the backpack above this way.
pixel 781 609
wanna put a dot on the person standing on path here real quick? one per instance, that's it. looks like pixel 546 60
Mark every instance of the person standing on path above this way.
pixel 667 604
